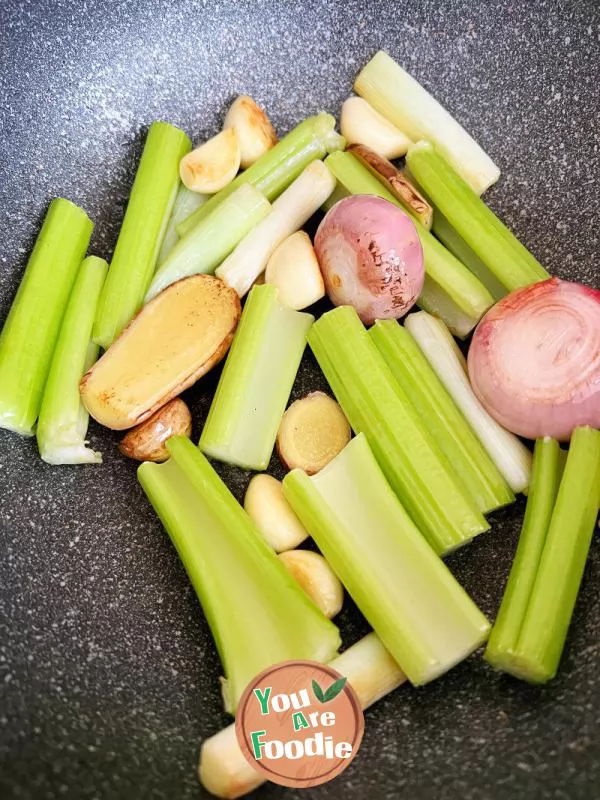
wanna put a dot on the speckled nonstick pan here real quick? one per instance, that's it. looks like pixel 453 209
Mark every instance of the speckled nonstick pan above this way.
pixel 108 674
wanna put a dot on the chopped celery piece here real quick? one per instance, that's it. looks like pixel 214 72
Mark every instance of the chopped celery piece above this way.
pixel 502 254
pixel 257 612
pixel 561 564
pixel 464 452
pixel 451 291
pixel 450 238
pixel 142 232
pixel 186 203
pixel 256 381
pixel 409 106
pixel 416 607
pixel 29 334
pixel 507 451
pixel 406 451
pixel 543 488
pixel 273 172
pixel 63 420
pixel 206 245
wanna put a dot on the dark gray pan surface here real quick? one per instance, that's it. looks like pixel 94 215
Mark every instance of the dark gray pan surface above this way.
pixel 108 675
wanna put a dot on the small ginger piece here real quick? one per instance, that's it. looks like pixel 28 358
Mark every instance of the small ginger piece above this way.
pixel 312 432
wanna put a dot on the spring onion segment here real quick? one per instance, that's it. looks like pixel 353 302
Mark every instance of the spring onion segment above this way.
pixel 256 381
pixel 144 226
pixel 457 440
pixel 506 260
pixel 372 673
pixel 374 403
pixel 186 203
pixel 421 614
pixel 402 100
pixel 29 334
pixel 450 291
pixel 63 419
pixel 205 247
pixel 544 582
pixel 288 214
pixel 509 454
pixel 277 168
pixel 534 362
pixel 257 613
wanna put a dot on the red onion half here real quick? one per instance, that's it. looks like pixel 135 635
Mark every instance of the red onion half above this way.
pixel 371 257
pixel 534 361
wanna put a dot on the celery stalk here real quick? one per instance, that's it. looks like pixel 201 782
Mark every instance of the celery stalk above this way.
pixel 273 172
pixel 451 291
pixel 142 232
pixel 257 612
pixel 508 452
pixel 468 458
pixel 256 381
pixel 213 239
pixel 543 488
pixel 407 453
pixel 550 607
pixel 504 257
pixel 409 106
pixel 63 420
pixel 29 334
pixel 185 204
pixel 421 614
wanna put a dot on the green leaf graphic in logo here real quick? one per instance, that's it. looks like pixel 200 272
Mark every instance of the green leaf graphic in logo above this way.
pixel 318 692
pixel 331 693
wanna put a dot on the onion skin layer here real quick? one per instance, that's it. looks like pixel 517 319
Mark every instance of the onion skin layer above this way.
pixel 371 257
pixel 534 362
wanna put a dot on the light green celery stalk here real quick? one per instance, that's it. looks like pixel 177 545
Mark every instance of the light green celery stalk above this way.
pixel 63 420
pixel 31 328
pixel 257 612
pixel 450 291
pixel 213 239
pixel 543 488
pixel 277 168
pixel 464 452
pixel 421 614
pixel 185 204
pixel 142 232
pixel 409 106
pixel 504 258
pixel 256 381
pixel 550 605
pixel 407 453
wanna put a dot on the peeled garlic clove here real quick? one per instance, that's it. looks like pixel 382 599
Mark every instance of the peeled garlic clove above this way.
pixel 272 514
pixel 147 442
pixel 255 133
pixel 316 578
pixel 210 167
pixel 293 268
pixel 361 124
